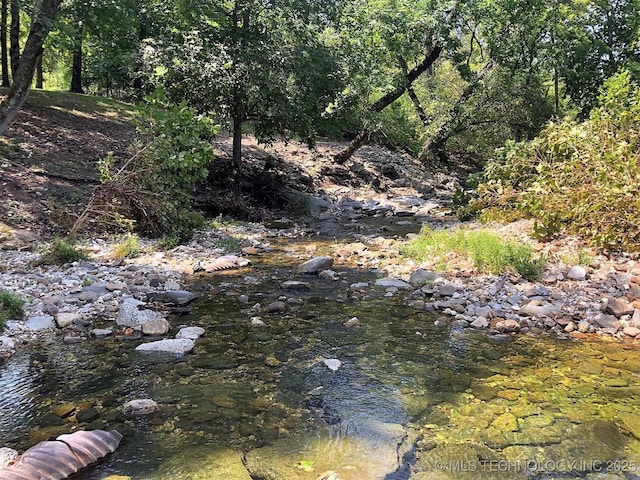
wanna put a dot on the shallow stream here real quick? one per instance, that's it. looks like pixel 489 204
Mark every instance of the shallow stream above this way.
pixel 411 398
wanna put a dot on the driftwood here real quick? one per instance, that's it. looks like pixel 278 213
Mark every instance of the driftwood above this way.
pixel 59 458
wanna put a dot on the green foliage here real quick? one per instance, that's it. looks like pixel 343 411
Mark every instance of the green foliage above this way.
pixel 129 247
pixel 488 251
pixel 154 186
pixel 61 252
pixel 11 306
pixel 577 177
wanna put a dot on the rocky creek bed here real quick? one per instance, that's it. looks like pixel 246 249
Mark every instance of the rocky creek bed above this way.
pixel 358 365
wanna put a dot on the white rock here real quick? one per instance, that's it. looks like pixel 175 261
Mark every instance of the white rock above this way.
pixel 140 406
pixel 178 346
pixel 191 333
pixel 333 364
pixel 577 272
pixel 392 283
pixel 65 319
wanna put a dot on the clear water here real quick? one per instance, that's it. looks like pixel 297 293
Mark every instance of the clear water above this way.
pixel 411 399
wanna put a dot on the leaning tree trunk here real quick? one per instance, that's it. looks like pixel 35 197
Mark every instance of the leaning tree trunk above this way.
pixel 3 42
pixel 40 26
pixel 434 146
pixel 14 36
pixel 432 55
pixel 417 105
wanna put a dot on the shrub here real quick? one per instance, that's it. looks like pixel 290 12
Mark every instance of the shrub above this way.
pixel 61 252
pixel 127 248
pixel 11 306
pixel 576 177
pixel 488 252
pixel 152 189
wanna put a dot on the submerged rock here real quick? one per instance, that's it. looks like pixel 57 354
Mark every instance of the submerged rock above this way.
pixel 204 463
pixel 176 297
pixel 131 316
pixel 191 333
pixel 178 346
pixel 392 283
pixel 140 406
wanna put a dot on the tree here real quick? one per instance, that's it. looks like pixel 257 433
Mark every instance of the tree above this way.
pixel 249 60
pixel 41 24
pixel 14 36
pixel 3 42
pixel 382 38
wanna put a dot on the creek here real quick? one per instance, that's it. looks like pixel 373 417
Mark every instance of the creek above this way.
pixel 411 396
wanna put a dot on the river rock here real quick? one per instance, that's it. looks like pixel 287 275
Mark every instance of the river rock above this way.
pixel 7 457
pixel 422 276
pixel 191 333
pixel 332 363
pixel 480 322
pixel 140 406
pixel 65 319
pixel 539 309
pixel 352 322
pixel 176 297
pixel 328 275
pixel 618 307
pixel 316 265
pixel 158 326
pixel 131 316
pixel 40 322
pixel 631 331
pixel 101 332
pixel 392 283
pixel 577 272
pixel 7 344
pixel 276 307
pixel 608 321
pixel 507 326
pixel 178 346
pixel 295 285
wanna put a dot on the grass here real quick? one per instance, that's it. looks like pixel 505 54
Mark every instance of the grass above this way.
pixel 11 306
pixel 488 251
pixel 129 247
pixel 61 252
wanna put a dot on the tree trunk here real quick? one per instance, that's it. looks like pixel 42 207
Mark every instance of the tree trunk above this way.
pixel 432 55
pixel 40 26
pixel 14 37
pixel 76 68
pixel 3 43
pixel 412 93
pixel 39 73
pixel 238 117
pixel 434 146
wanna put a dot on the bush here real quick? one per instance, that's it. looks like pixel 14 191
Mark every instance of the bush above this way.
pixel 152 189
pixel 129 247
pixel 61 252
pixel 581 178
pixel 11 306
pixel 488 252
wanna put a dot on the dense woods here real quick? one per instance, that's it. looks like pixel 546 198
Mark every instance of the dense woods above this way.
pixel 448 81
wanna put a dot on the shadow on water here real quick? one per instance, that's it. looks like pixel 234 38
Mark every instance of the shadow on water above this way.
pixel 410 398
